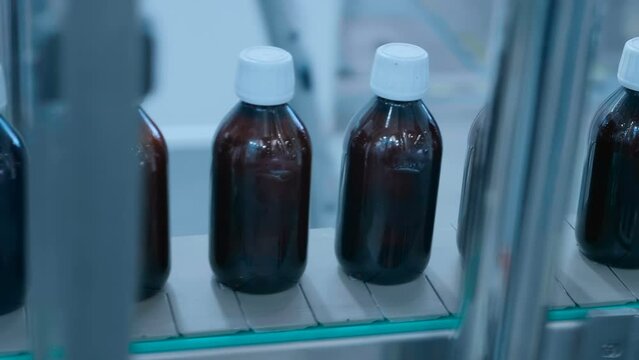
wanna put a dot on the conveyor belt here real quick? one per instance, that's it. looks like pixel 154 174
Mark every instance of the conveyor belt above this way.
pixel 329 303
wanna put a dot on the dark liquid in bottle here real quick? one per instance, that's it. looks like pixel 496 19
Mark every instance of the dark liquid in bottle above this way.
pixel 608 217
pixel 12 219
pixel 470 168
pixel 260 199
pixel 389 187
pixel 154 252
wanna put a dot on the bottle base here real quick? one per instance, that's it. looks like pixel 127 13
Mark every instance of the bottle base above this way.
pixel 627 261
pixel 258 286
pixel 147 293
pixel 391 277
pixel 10 306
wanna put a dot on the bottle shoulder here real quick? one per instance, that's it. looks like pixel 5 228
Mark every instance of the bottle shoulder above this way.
pixel 152 149
pixel 392 124
pixel 150 130
pixel 265 130
pixel 617 119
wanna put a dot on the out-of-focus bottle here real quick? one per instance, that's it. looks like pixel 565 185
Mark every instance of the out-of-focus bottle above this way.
pixel 12 212
pixel 153 156
pixel 390 173
pixel 470 168
pixel 260 180
pixel 608 216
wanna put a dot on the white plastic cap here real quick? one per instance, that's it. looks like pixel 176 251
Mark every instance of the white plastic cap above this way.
pixel 265 76
pixel 400 72
pixel 628 73
pixel 3 92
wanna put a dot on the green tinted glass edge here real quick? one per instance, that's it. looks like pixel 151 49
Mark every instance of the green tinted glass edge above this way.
pixel 325 332
pixel 315 333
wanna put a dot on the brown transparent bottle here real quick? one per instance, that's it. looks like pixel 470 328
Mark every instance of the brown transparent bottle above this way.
pixel 260 183
pixel 390 177
pixel 470 169
pixel 155 260
pixel 608 215
pixel 12 218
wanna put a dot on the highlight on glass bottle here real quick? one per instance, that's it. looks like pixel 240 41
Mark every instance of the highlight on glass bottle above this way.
pixel 155 258
pixel 12 212
pixel 390 173
pixel 260 180
pixel 608 215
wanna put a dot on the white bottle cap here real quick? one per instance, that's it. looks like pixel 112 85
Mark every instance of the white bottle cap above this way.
pixel 400 72
pixel 265 76
pixel 3 92
pixel 628 73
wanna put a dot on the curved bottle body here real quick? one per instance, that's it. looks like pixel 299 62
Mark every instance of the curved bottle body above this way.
pixel 390 177
pixel 260 184
pixel 470 169
pixel 155 258
pixel 608 216
pixel 12 218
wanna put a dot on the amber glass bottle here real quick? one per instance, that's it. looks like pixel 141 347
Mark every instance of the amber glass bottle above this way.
pixel 12 218
pixel 390 174
pixel 608 215
pixel 260 180
pixel 155 261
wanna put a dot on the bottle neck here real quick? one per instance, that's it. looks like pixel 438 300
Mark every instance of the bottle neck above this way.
pixel 262 107
pixel 390 102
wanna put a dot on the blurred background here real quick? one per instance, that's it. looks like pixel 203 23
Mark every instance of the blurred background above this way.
pixel 196 52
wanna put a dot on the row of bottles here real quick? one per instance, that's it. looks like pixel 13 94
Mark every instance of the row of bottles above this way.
pixel 154 241
pixel 607 227
pixel 261 177
pixel 260 182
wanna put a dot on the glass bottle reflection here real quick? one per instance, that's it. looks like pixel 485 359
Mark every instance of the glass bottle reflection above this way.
pixel 260 199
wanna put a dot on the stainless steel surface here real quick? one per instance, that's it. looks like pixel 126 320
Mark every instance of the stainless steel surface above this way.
pixel 611 335
pixel 81 85
pixel 528 152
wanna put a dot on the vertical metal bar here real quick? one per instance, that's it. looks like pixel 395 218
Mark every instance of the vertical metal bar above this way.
pixel 82 83
pixel 528 159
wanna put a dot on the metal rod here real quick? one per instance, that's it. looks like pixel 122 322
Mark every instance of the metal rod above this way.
pixel 528 158
pixel 82 84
